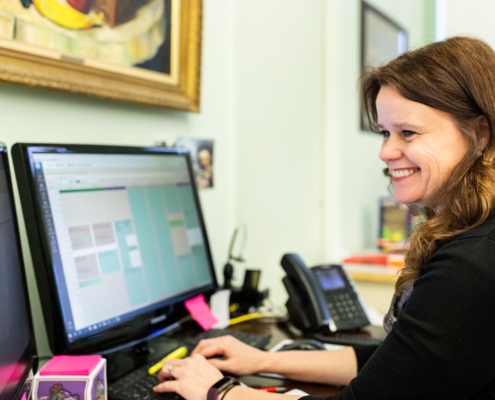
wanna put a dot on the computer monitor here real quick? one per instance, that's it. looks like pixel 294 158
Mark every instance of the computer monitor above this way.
pixel 17 348
pixel 117 239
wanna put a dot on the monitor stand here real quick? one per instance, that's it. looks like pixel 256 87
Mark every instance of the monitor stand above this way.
pixel 122 362
pixel 126 358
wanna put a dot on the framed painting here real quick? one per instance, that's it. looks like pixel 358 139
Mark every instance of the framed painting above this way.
pixel 382 40
pixel 143 51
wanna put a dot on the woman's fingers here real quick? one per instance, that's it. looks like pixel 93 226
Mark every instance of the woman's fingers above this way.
pixel 167 386
pixel 167 371
pixel 208 347
pixel 191 377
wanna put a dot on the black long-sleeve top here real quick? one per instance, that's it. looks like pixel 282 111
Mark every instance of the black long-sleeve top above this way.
pixel 442 345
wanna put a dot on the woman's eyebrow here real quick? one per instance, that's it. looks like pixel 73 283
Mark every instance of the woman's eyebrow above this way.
pixel 402 125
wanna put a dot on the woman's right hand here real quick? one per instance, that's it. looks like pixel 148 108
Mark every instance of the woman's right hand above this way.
pixel 239 358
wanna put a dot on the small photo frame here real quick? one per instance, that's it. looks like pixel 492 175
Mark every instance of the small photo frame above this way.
pixel 382 40
pixel 201 157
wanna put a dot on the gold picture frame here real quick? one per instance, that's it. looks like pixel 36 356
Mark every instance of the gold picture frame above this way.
pixel 146 59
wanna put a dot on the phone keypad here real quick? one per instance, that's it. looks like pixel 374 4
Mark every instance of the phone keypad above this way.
pixel 343 303
pixel 345 309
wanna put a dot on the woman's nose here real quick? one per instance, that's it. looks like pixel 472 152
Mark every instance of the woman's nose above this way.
pixel 390 150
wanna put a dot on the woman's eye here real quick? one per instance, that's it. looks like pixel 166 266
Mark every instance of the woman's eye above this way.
pixel 408 133
pixel 385 134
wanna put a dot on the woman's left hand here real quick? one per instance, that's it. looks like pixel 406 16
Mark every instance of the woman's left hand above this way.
pixel 190 377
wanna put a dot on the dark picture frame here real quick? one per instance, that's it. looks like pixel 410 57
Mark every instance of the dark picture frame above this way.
pixel 382 40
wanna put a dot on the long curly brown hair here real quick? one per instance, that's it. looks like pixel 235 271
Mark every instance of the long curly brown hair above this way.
pixel 456 76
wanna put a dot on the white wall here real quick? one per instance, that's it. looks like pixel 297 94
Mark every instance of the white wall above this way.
pixel 473 18
pixel 308 180
pixel 278 81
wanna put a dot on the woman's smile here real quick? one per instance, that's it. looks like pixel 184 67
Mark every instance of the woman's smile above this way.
pixel 402 173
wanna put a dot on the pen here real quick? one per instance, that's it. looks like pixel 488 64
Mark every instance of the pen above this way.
pixel 272 389
pixel 180 352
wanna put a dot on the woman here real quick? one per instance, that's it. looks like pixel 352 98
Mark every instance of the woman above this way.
pixel 435 108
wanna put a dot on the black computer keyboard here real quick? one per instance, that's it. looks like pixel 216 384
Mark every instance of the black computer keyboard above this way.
pixel 138 384
pixel 348 339
pixel 258 341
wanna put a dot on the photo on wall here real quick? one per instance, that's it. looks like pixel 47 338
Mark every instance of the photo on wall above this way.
pixel 201 151
pixel 201 157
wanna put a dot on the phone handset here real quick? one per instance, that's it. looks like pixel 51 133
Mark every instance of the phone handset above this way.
pixel 306 304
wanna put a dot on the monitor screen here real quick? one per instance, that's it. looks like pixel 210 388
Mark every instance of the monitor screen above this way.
pixel 16 337
pixel 123 238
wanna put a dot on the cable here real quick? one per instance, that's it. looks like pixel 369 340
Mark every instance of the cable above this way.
pixel 246 317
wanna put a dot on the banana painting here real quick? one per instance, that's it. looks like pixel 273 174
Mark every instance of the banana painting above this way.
pixel 66 16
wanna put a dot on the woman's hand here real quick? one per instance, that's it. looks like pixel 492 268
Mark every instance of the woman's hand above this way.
pixel 190 377
pixel 239 358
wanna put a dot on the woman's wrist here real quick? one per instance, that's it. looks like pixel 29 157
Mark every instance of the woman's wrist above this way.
pixel 266 363
pixel 220 388
pixel 224 395
pixel 229 393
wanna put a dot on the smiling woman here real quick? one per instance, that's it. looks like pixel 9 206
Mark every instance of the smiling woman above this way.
pixel 435 108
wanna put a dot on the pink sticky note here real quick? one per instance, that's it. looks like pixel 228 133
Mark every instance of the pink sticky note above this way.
pixel 201 312
pixel 70 365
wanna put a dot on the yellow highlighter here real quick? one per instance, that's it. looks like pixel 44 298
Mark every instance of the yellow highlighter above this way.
pixel 181 352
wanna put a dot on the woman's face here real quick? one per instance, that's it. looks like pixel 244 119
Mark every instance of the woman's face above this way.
pixel 421 146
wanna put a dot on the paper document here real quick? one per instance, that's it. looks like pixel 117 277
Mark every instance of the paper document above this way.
pixel 296 392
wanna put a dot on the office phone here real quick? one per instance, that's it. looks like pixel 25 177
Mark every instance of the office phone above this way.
pixel 322 299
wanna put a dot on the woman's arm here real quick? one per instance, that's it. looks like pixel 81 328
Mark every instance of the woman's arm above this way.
pixel 332 367
pixel 335 367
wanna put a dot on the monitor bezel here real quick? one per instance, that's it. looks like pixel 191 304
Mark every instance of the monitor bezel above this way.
pixel 129 332
pixel 29 356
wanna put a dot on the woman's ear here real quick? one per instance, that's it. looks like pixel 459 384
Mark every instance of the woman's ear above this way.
pixel 484 133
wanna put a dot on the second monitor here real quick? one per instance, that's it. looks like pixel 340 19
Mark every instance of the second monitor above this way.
pixel 117 238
